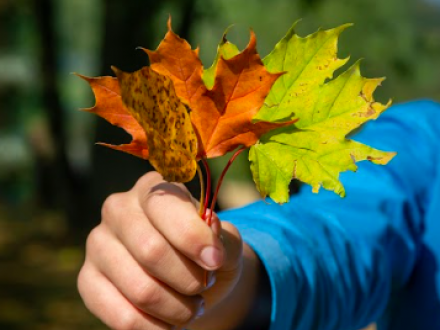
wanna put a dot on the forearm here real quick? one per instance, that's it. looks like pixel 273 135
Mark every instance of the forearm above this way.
pixel 333 262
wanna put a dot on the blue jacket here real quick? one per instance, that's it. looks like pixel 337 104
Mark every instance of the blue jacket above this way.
pixel 342 263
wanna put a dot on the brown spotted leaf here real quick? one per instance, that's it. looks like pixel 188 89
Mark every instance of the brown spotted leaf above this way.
pixel 151 99
pixel 110 107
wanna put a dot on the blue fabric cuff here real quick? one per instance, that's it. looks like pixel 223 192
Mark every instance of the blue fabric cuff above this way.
pixel 277 263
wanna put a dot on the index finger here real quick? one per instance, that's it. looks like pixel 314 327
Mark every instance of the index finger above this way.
pixel 171 211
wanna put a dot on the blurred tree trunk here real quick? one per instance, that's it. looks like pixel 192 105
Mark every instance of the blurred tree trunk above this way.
pixel 59 185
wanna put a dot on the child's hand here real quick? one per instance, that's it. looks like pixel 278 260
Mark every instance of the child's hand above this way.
pixel 146 262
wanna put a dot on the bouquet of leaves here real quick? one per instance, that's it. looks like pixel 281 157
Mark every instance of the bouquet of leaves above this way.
pixel 286 108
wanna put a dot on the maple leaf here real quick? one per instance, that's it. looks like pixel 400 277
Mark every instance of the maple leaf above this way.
pixel 226 50
pixel 221 116
pixel 177 112
pixel 110 107
pixel 152 101
pixel 314 150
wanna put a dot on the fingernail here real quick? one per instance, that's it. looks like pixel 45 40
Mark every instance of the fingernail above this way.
pixel 211 256
pixel 201 310
pixel 211 280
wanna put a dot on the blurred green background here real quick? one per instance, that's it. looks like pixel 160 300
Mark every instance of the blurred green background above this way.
pixel 53 178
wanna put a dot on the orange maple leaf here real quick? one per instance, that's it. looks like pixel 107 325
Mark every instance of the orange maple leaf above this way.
pixel 110 107
pixel 222 116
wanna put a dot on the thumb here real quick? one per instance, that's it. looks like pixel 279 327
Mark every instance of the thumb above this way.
pixel 227 276
pixel 216 225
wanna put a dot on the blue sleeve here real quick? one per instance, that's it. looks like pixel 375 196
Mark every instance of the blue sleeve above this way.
pixel 336 263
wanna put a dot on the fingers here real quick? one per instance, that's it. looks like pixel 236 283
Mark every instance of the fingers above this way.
pixel 127 221
pixel 153 248
pixel 149 182
pixel 143 291
pixel 228 275
pixel 172 213
pixel 105 301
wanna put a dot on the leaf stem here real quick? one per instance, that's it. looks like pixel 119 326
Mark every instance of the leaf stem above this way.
pixel 220 181
pixel 202 209
pixel 208 187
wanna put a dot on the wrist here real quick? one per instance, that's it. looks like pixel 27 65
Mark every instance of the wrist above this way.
pixel 248 305
pixel 259 311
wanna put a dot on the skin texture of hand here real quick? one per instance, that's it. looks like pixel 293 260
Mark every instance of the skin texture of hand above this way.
pixel 147 260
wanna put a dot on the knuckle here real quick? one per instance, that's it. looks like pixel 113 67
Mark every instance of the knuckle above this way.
pixel 81 281
pixel 146 295
pixel 189 235
pixel 127 320
pixel 152 250
pixel 95 239
pixel 183 189
pixel 112 206
pixel 151 200
pixel 193 288
pixel 161 193
pixel 186 315
pixel 149 179
pixel 189 311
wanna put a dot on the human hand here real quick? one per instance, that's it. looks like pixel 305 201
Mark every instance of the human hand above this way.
pixel 146 261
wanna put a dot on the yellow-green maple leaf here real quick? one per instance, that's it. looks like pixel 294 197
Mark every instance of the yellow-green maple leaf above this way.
pixel 314 150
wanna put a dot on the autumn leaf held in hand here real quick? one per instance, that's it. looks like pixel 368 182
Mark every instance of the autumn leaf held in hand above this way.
pixel 315 150
pixel 221 116
pixel 109 106
pixel 178 113
pixel 172 144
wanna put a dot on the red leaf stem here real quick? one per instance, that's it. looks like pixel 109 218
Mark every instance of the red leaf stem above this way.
pixel 208 187
pixel 214 199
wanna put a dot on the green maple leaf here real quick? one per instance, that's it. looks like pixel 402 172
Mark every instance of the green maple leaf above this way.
pixel 314 150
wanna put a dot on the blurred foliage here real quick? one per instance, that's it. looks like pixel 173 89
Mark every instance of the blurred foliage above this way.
pixel 51 174
pixel 399 40
pixel 38 273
